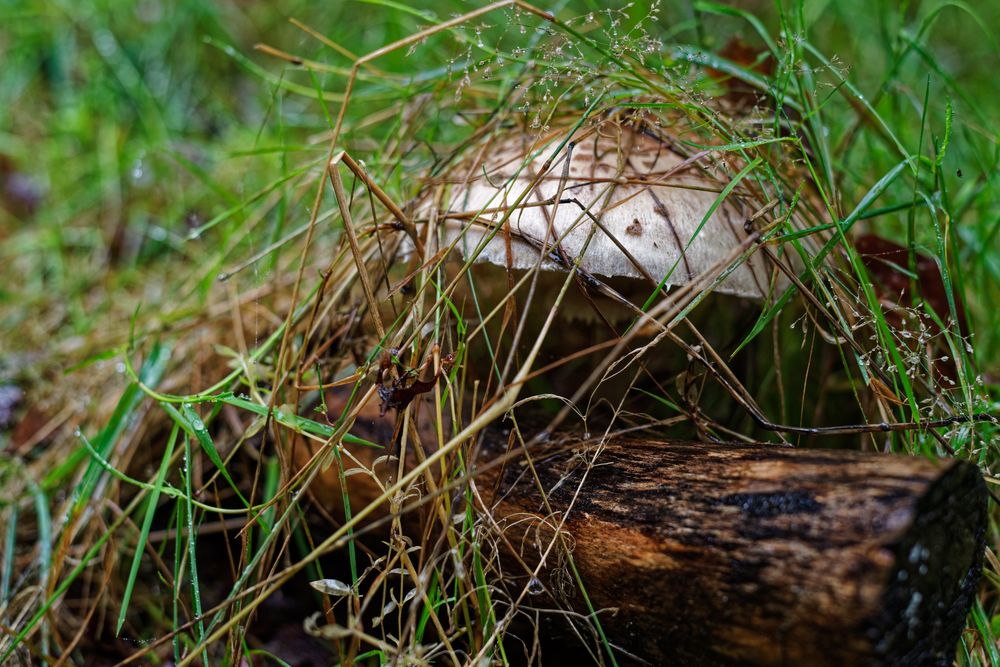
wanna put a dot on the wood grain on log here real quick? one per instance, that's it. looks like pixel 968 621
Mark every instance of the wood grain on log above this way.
pixel 755 555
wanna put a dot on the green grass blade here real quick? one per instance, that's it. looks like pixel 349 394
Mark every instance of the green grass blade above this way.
pixel 147 523
pixel 10 542
pixel 730 186
pixel 193 425
pixel 297 423
pixel 149 374
pixel 815 262
pixel 191 540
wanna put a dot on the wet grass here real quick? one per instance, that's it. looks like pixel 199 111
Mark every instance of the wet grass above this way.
pixel 178 286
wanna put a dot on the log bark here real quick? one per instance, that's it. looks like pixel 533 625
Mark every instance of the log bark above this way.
pixel 719 554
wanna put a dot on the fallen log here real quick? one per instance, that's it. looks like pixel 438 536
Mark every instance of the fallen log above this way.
pixel 721 554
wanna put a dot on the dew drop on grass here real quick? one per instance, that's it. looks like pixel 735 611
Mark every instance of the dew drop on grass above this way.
pixel 105 42
pixel 138 171
pixel 535 587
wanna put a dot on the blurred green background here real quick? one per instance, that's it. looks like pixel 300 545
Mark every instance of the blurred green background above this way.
pixel 123 125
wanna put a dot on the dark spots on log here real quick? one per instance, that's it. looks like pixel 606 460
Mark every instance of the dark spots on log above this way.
pixel 758 505
pixel 892 496
pixel 743 571
pixel 833 458
pixel 760 531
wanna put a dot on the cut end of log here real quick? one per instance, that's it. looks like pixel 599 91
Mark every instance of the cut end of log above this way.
pixel 933 583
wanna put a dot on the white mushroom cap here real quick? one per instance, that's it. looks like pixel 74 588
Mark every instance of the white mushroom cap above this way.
pixel 632 178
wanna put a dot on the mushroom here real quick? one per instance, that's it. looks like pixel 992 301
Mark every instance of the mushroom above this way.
pixel 625 199
pixel 628 203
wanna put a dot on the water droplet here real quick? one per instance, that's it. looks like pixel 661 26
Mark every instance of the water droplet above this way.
pixel 138 171
pixel 535 587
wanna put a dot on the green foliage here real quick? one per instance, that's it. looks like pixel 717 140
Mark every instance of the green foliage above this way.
pixel 171 171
